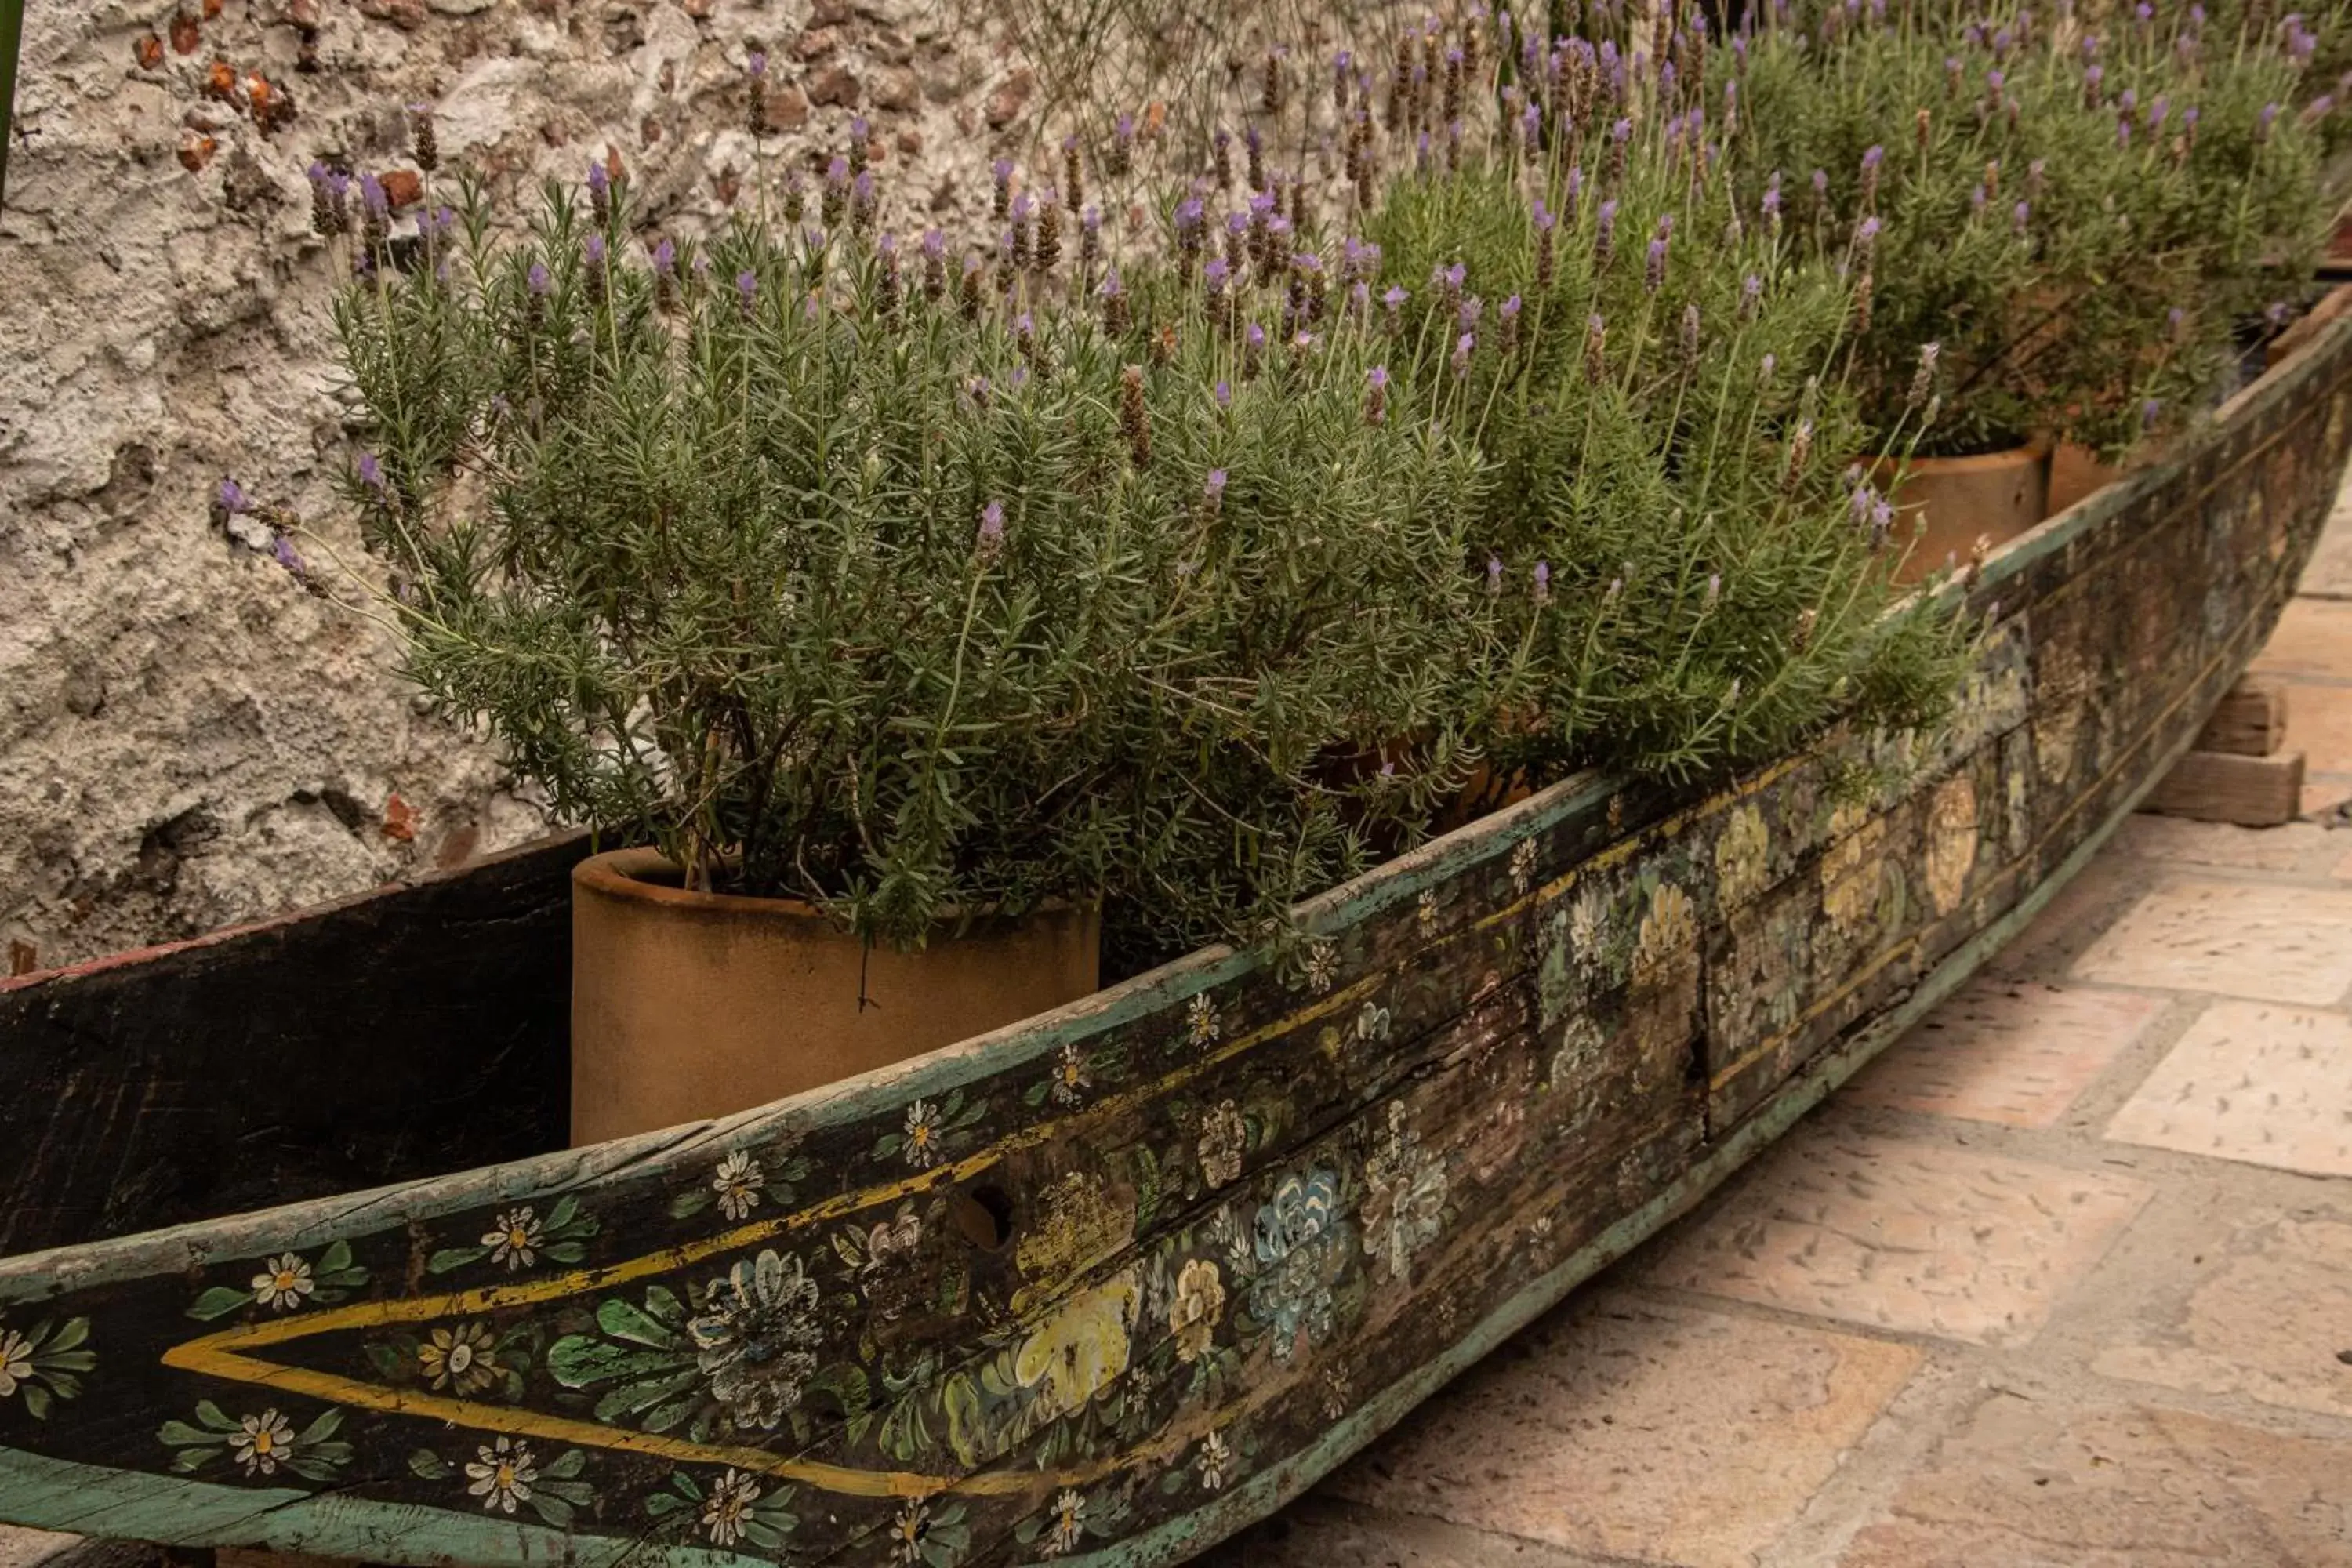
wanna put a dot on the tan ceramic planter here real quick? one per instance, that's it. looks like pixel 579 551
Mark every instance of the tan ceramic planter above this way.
pixel 1994 496
pixel 687 1005
pixel 2075 472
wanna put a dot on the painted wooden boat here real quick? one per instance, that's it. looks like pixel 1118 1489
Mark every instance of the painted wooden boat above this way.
pixel 1099 1287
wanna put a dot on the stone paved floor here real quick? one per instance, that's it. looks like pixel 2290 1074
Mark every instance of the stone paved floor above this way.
pixel 2064 1281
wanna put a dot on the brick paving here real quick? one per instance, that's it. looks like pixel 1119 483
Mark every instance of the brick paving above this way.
pixel 2064 1281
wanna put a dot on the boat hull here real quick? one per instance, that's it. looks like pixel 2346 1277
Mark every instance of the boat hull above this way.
pixel 1108 1285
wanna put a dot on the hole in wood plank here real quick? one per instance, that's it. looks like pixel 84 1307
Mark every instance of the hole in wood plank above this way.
pixel 984 1214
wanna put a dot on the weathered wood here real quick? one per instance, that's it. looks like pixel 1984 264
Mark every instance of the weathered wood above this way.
pixel 2220 786
pixel 2248 721
pixel 1109 1284
pixel 402 1033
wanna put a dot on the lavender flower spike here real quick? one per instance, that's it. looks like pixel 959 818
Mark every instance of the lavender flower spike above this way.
pixel 371 472
pixel 1213 490
pixel 1376 395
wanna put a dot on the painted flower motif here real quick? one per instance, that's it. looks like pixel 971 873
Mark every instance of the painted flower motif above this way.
pixel 731 1497
pixel 459 1359
pixel 502 1475
pixel 1669 929
pixel 1201 1025
pixel 886 1276
pixel 1198 1305
pixel 1070 1080
pixel 1322 966
pixel 1740 856
pixel 263 1443
pixel 1300 1247
pixel 1081 1350
pixel 514 1240
pixel 1523 865
pixel 738 1182
pixel 1215 1459
pixel 1373 1023
pixel 1405 1206
pixel 15 1361
pixel 922 1136
pixel 756 1338
pixel 1336 1394
pixel 1951 842
pixel 906 1530
pixel 1224 1139
pixel 1424 911
pixel 1069 1523
pixel 283 1283
pixel 1588 923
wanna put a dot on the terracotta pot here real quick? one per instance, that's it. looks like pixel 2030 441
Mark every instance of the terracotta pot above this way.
pixel 2076 472
pixel 687 1005
pixel 1994 495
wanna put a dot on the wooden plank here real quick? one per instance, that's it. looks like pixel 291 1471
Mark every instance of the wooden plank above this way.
pixel 402 1033
pixel 2217 786
pixel 2248 721
pixel 1237 1216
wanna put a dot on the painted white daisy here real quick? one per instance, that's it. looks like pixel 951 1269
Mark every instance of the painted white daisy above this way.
pixel 1523 864
pixel 1201 1025
pixel 731 1497
pixel 738 1182
pixel 922 1136
pixel 1070 1080
pixel 502 1475
pixel 458 1358
pixel 266 1441
pixel 1069 1523
pixel 15 1361
pixel 283 1282
pixel 1215 1459
pixel 514 1241
pixel 1322 966
pixel 907 1532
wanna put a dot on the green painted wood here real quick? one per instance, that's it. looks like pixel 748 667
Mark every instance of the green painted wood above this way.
pixel 1111 1283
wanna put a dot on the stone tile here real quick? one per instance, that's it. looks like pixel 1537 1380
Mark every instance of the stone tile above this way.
pixel 2319 724
pixel 2273 944
pixel 2013 1053
pixel 2313 638
pixel 1630 1428
pixel 2269 1316
pixel 2268 1086
pixel 2177 841
pixel 1905 1234
pixel 2330 572
pixel 2321 796
pixel 2049 1484
pixel 21 1548
pixel 1317 1531
pixel 2082 910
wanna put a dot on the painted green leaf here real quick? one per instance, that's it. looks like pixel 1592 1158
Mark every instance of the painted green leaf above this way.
pixel 663 1504
pixel 567 1251
pixel 336 1258
pixel 567 1465
pixel 687 1205
pixel 426 1465
pixel 553 1509
pixel 219 1302
pixel 214 1416
pixel 630 1398
pixel 624 1321
pixel 188 1459
pixel 578 1362
pixel 329 1423
pixel 76 1331
pixel 180 1435
pixel 450 1257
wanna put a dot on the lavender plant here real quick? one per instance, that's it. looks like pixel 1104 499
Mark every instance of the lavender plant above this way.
pixel 2076 219
pixel 798 557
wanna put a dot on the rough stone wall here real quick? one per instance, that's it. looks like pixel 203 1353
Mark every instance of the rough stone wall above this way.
pixel 188 737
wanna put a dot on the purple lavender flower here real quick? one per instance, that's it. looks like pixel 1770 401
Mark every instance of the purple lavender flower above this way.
pixel 1213 490
pixel 1222 394
pixel 1604 239
pixel 2019 215
pixel 593 249
pixel 755 64
pixel 1751 297
pixel 1392 300
pixel 1821 186
pixel 537 280
pixel 600 179
pixel 1254 337
pixel 747 287
pixel 373 198
pixel 1376 395
pixel 1463 346
pixel 281 550
pixel 1772 199
pixel 1872 159
pixel 2263 121
pixel 371 472
pixel 231 501
pixel 1495 576
pixel 1465 315
pixel 1543 583
pixel 2150 412
pixel 1213 276
pixel 1654 271
pixel 991 528
pixel 1977 200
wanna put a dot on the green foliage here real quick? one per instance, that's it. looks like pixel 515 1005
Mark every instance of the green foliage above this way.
pixel 2080 215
